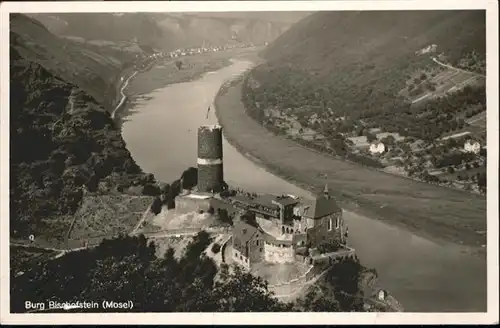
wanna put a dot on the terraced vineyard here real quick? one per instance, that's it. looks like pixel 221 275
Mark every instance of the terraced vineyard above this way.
pixel 107 215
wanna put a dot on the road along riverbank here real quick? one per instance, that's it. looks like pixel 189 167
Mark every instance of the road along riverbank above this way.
pixel 139 84
pixel 160 133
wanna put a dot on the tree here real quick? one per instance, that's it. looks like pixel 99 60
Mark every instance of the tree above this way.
pixel 450 169
pixel 370 137
pixel 240 291
pixel 156 206
pixel 150 189
pixel 344 277
pixel 451 142
pixel 224 216
pixel 189 178
pixel 481 181
pixel 389 140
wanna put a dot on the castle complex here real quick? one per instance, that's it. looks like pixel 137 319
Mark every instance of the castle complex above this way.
pixel 271 228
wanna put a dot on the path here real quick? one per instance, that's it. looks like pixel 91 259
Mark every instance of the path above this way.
pixel 122 93
pixel 455 68
pixel 139 224
pixel 71 103
pixel 458 86
pixel 148 235
pixel 481 116
pixel 303 288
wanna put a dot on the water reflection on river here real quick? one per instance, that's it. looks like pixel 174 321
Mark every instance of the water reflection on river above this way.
pixel 423 276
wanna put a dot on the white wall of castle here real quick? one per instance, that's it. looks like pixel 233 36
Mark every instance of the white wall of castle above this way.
pixel 278 254
pixel 240 259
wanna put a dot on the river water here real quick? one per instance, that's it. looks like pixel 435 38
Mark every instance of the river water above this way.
pixel 423 276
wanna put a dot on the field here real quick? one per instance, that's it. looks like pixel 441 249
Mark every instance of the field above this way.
pixel 107 215
pixel 478 120
pixel 428 210
pixel 447 81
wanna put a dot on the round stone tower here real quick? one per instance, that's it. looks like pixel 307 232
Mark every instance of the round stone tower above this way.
pixel 210 169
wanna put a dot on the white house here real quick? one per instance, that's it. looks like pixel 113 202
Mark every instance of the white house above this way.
pixel 377 147
pixel 472 146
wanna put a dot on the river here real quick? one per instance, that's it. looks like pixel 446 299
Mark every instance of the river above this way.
pixel 425 277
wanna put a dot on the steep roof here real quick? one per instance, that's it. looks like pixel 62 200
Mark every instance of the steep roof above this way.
pixel 321 206
pixel 244 231
pixel 286 200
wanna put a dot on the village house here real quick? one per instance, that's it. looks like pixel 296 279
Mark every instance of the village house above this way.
pixel 472 146
pixel 377 147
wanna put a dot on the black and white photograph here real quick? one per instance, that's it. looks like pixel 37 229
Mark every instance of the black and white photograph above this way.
pixel 310 161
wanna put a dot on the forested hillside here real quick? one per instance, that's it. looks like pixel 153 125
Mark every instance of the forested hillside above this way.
pixel 96 69
pixel 357 62
pixel 111 27
pixel 63 142
pixel 339 81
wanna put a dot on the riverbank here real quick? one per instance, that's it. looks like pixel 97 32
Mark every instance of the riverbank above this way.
pixel 167 73
pixel 442 215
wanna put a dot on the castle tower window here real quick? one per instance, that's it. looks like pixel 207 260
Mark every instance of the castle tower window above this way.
pixel 282 230
pixel 329 224
pixel 337 223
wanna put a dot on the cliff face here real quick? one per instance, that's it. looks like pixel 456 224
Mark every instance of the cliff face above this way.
pixel 62 140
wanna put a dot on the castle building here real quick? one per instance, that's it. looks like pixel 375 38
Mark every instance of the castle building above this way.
pixel 248 243
pixel 274 228
pixel 267 227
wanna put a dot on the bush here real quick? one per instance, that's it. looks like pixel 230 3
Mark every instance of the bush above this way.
pixel 216 248
pixel 150 189
pixel 328 246
pixel 224 216
pixel 156 206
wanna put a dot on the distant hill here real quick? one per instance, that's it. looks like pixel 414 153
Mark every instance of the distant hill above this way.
pixel 328 41
pixel 111 27
pixel 169 31
pixel 94 68
pixel 354 63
